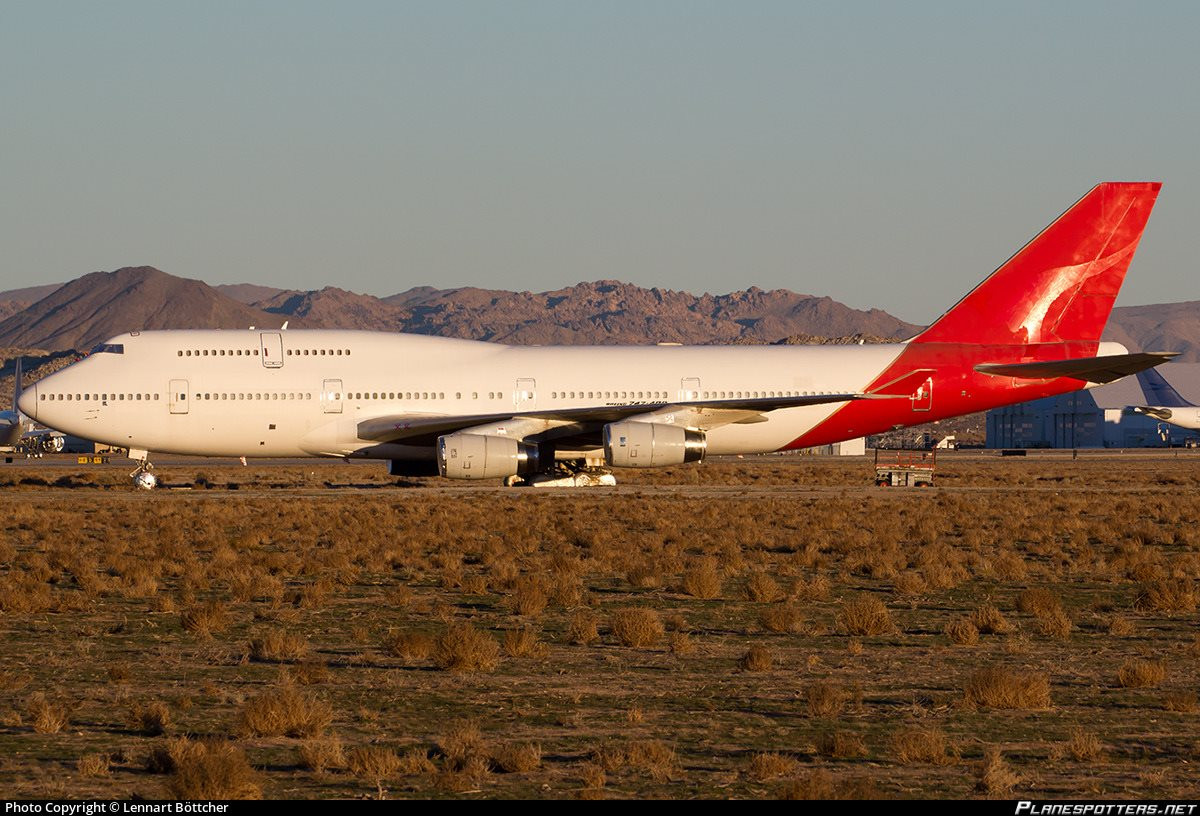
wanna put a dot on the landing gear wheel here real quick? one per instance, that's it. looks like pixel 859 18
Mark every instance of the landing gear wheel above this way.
pixel 143 479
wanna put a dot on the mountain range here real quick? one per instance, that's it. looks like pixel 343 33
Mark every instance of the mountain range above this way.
pixel 92 308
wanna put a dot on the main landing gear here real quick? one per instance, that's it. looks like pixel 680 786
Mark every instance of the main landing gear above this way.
pixel 565 474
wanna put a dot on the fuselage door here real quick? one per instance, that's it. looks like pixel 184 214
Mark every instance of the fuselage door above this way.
pixel 922 398
pixel 689 389
pixel 331 396
pixel 179 396
pixel 272 349
pixel 525 397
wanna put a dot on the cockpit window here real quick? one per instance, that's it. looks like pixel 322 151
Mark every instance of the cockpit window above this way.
pixel 109 348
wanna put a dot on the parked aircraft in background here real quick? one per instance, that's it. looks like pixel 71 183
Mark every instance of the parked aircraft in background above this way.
pixel 1167 405
pixel 557 415
pixel 17 433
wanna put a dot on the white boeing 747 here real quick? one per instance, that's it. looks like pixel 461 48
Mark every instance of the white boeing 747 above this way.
pixel 556 415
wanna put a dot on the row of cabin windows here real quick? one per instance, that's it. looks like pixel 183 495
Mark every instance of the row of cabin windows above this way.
pixel 254 352
pixel 96 397
pixel 663 394
pixel 274 395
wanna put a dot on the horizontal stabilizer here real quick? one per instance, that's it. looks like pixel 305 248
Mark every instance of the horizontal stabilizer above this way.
pixel 1091 369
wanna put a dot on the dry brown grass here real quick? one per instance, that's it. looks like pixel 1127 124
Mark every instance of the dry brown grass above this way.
pixel 47 716
pixel 1170 596
pixel 703 579
pixel 961 632
pixel 322 754
pixel 1182 702
pixel 519 757
pixel 989 620
pixel 764 766
pixel 206 620
pixel 913 745
pixel 758 659
pixel 408 645
pixel 1038 602
pixel 653 757
pixel 636 627
pixel 374 763
pixel 1002 687
pixel 762 588
pixel 826 699
pixel 583 628
pixel 819 784
pixel 524 642
pixel 279 646
pixel 211 770
pixel 782 618
pixel 1082 746
pixel 284 712
pixel 151 719
pixel 463 648
pixel 866 616
pixel 842 745
pixel 92 765
pixel 1138 673
pixel 993 775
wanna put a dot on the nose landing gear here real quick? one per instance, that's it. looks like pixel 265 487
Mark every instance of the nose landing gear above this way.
pixel 143 479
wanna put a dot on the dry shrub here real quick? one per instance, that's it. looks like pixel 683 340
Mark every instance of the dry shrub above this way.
pixel 764 766
pixel 529 596
pixel 842 745
pixel 962 632
pixel 1174 595
pixel 703 579
pixel 826 699
pixel 1082 746
pixel 416 761
pixel 1118 625
pixel 910 583
pixel 989 620
pixel 610 757
pixel 653 757
pixel 757 659
pixel 151 719
pixel 582 629
pixel 1141 673
pixel 681 644
pixel 636 627
pixel 285 711
pixel 90 765
pixel 210 770
pixel 463 648
pixel 993 776
pixel 408 645
pixel 1182 702
pixel 1038 602
pixel 1055 624
pixel 782 618
pixel 922 745
pixel 278 646
pixel 373 762
pixel 47 717
pixel 464 778
pixel 463 742
pixel 866 616
pixel 205 620
pixel 309 673
pixel 818 589
pixel 519 757
pixel 644 576
pixel 320 755
pixel 762 588
pixel 593 778
pixel 524 642
pixel 1000 687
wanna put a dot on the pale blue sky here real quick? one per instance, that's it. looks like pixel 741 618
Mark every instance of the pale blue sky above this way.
pixel 885 154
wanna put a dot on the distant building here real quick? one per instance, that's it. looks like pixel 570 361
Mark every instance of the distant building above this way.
pixel 1095 418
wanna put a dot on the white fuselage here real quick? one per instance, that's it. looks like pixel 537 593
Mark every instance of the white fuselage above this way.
pixel 304 392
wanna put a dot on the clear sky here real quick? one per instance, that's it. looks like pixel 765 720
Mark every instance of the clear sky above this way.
pixel 885 154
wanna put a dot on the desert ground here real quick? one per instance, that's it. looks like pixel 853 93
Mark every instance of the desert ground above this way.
pixel 759 628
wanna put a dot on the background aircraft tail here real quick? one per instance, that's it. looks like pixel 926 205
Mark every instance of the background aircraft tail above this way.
pixel 1159 392
pixel 1061 285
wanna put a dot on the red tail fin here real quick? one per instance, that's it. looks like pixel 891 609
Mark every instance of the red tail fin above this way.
pixel 1062 284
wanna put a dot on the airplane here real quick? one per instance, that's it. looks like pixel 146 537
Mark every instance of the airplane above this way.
pixel 563 415
pixel 19 436
pixel 1168 405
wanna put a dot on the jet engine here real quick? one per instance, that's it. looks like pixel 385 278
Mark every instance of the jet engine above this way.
pixel 651 444
pixel 482 456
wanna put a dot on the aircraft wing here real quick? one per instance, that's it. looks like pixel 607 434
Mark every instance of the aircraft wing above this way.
pixel 1092 369
pixel 702 414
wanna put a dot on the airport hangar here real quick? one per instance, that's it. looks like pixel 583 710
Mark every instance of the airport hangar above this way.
pixel 1096 418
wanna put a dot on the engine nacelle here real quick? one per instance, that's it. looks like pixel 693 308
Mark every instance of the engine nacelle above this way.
pixel 482 456
pixel 651 444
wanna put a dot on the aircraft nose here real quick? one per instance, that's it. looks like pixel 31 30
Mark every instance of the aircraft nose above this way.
pixel 28 402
